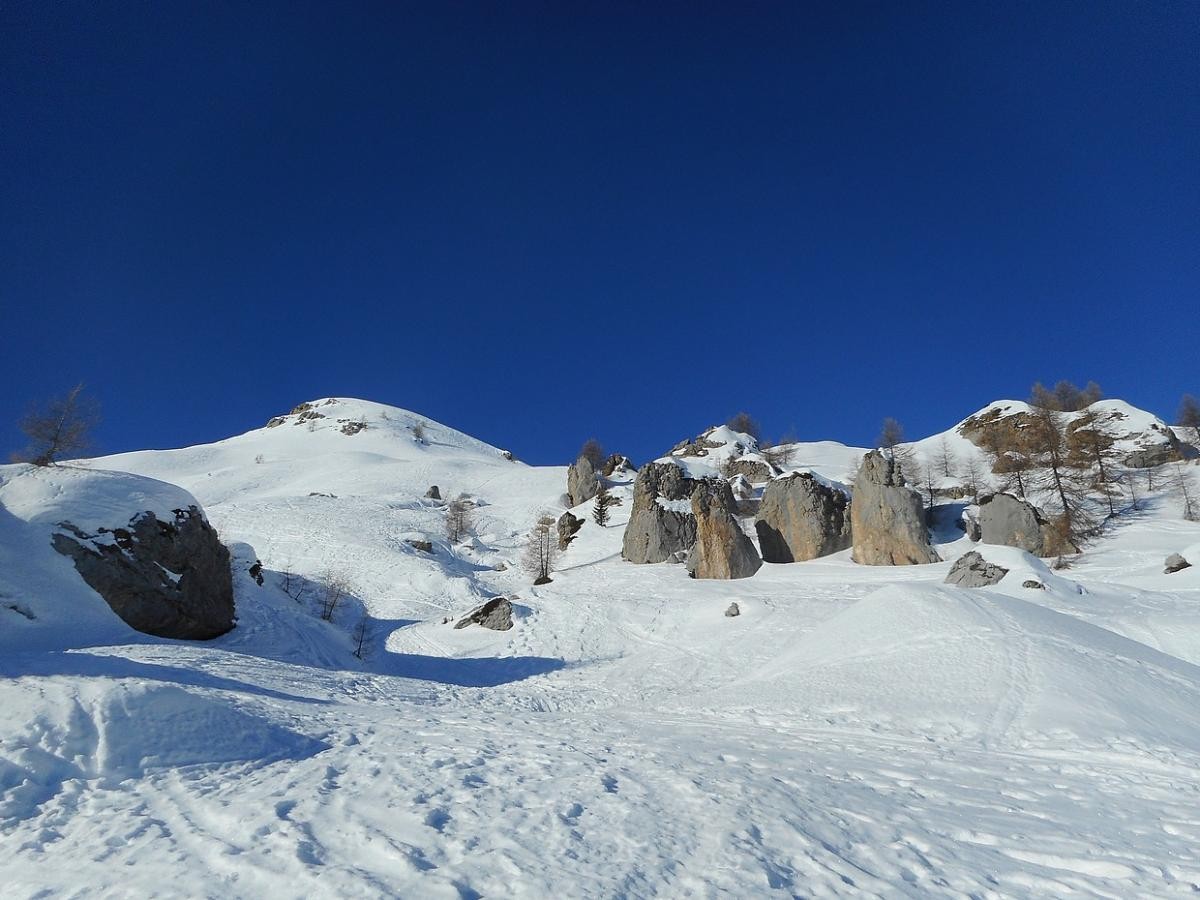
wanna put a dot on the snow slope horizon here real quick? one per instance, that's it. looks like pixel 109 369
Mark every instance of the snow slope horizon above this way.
pixel 856 731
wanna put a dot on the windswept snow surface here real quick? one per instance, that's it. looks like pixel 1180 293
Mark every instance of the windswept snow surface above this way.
pixel 855 732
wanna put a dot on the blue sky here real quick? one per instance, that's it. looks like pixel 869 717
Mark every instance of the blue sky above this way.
pixel 541 222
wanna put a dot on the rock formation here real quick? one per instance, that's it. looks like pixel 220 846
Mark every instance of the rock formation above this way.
pixel 887 520
pixel 496 614
pixel 1176 563
pixel 656 531
pixel 567 526
pixel 972 571
pixel 801 518
pixel 1012 522
pixel 722 549
pixel 582 482
pixel 166 578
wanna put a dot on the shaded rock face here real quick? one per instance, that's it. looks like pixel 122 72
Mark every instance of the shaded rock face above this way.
pixel 496 614
pixel 972 571
pixel 887 520
pixel 800 518
pixel 722 549
pixel 434 493
pixel 655 533
pixel 1176 563
pixel 168 579
pixel 1012 522
pixel 582 482
pixel 567 525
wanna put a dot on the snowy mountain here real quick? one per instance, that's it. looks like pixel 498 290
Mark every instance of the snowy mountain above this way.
pixel 853 731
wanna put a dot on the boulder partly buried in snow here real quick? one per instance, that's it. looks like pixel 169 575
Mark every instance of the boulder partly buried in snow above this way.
pixel 722 549
pixel 496 614
pixel 972 571
pixel 568 526
pixel 887 518
pixel 660 522
pixel 802 518
pixel 165 577
pixel 1176 563
pixel 1011 522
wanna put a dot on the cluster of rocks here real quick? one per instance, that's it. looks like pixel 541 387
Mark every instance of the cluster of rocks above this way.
pixel 166 578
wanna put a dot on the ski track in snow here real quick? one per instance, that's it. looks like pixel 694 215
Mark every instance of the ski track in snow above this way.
pixel 625 739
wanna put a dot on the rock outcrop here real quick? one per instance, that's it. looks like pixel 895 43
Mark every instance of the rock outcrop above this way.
pixel 972 571
pixel 887 520
pixel 1012 522
pixel 1176 563
pixel 166 578
pixel 567 527
pixel 722 550
pixel 616 464
pixel 660 521
pixel 496 614
pixel 801 518
pixel 756 471
pixel 582 482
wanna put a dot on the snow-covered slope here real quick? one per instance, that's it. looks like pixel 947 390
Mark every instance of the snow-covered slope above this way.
pixel 855 731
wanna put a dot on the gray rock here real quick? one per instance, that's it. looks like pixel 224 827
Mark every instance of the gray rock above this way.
pixel 582 482
pixel 1012 522
pixel 434 493
pixel 1176 563
pixel 722 550
pixel 417 544
pixel 1033 585
pixel 734 610
pixel 887 519
pixel 166 578
pixel 567 525
pixel 972 571
pixel 800 518
pixel 496 614
pixel 756 471
pixel 616 464
pixel 654 533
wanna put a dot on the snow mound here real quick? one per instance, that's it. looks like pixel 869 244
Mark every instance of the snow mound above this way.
pixel 981 666
pixel 110 729
pixel 44 604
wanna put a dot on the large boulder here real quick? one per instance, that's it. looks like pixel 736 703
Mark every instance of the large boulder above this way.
pixel 582 482
pixel 1176 563
pixel 887 520
pixel 972 571
pixel 166 578
pixel 567 526
pixel 660 522
pixel 1012 522
pixel 722 549
pixel 496 614
pixel 802 518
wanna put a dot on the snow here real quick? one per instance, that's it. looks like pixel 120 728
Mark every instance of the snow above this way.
pixel 856 731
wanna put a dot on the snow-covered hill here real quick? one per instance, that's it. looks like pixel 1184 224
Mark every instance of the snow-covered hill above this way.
pixel 855 731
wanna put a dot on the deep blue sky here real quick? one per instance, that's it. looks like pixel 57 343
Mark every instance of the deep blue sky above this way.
pixel 538 222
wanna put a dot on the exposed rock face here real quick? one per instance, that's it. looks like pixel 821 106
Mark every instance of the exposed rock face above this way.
pixel 1176 563
pixel 418 544
pixel 733 610
pixel 887 520
pixel 496 614
pixel 972 571
pixel 618 464
pixel 722 549
pixel 582 482
pixel 655 533
pixel 756 471
pixel 1150 457
pixel 434 493
pixel 1008 520
pixel 800 518
pixel 567 527
pixel 169 579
